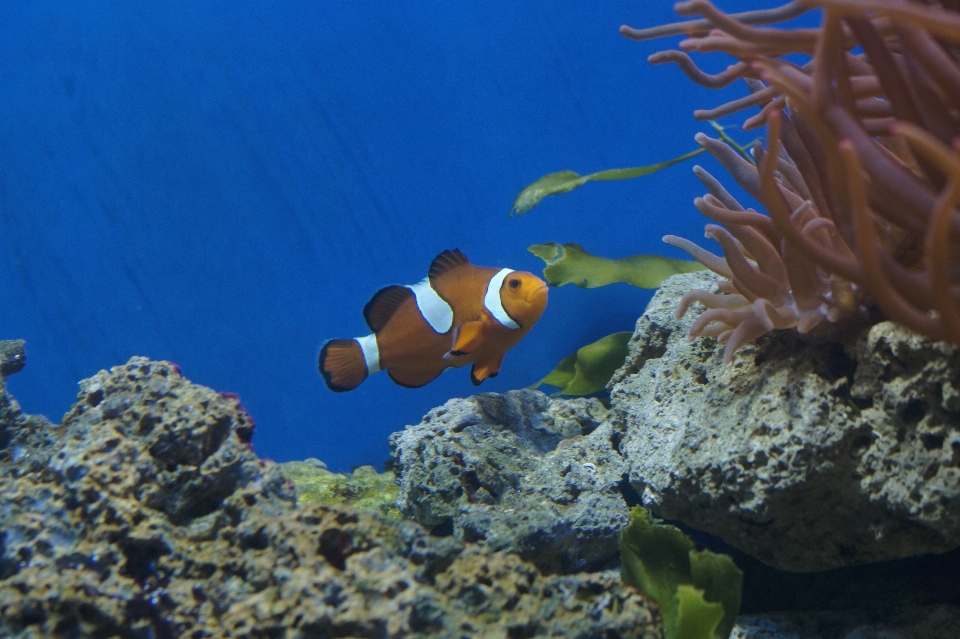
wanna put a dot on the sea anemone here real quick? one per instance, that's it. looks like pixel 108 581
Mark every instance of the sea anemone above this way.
pixel 860 176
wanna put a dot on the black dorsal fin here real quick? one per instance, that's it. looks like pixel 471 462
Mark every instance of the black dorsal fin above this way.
pixel 383 305
pixel 446 261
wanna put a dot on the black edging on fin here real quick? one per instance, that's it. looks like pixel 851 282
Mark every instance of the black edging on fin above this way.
pixel 473 378
pixel 477 382
pixel 406 385
pixel 322 367
pixel 321 361
pixel 446 261
pixel 383 305
pixel 452 353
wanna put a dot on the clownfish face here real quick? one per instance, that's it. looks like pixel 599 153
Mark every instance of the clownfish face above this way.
pixel 524 296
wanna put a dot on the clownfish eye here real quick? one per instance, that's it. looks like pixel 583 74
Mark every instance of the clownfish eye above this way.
pixel 514 283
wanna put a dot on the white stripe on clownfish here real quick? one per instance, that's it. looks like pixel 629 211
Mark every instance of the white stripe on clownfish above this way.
pixel 433 308
pixel 371 352
pixel 405 322
pixel 492 300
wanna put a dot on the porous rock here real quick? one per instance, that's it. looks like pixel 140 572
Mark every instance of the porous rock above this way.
pixel 147 514
pixel 20 435
pixel 907 622
pixel 519 472
pixel 13 356
pixel 805 453
pixel 318 571
pixel 142 431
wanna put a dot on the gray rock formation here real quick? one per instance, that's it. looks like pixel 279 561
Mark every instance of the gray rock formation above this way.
pixel 147 514
pixel 909 622
pixel 24 439
pixel 520 472
pixel 153 436
pixel 805 454
pixel 13 357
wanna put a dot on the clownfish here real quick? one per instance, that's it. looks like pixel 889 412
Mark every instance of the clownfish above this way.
pixel 459 314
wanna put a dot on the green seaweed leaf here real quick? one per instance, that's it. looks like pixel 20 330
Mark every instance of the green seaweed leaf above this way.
pixel 721 581
pixel 742 149
pixel 570 264
pixel 655 559
pixel 589 369
pixel 696 617
pixel 698 592
pixel 566 181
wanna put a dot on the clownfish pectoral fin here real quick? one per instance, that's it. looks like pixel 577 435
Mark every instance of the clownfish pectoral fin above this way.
pixel 342 364
pixel 467 337
pixel 412 379
pixel 383 305
pixel 485 370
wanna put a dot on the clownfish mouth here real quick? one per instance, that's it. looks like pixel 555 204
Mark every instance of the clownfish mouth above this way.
pixel 533 302
pixel 537 294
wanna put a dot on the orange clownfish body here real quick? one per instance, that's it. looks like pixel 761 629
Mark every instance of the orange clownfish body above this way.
pixel 459 314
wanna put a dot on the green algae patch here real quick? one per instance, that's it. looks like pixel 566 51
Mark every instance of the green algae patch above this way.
pixel 566 181
pixel 364 488
pixel 698 591
pixel 570 264
pixel 589 369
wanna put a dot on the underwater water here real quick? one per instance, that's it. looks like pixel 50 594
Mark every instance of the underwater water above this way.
pixel 225 185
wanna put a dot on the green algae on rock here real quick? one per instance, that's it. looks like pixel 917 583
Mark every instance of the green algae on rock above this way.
pixel 364 488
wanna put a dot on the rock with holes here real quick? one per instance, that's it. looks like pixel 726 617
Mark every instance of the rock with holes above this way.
pixel 146 514
pixel 143 431
pixel 24 439
pixel 908 622
pixel 119 569
pixel 519 472
pixel 805 453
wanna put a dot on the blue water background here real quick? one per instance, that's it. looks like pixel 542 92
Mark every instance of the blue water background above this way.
pixel 225 184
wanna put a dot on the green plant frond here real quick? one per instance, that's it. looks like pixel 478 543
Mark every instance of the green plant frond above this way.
pixel 589 369
pixel 697 618
pixel 570 264
pixel 698 591
pixel 742 149
pixel 565 181
pixel 654 558
pixel 721 581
